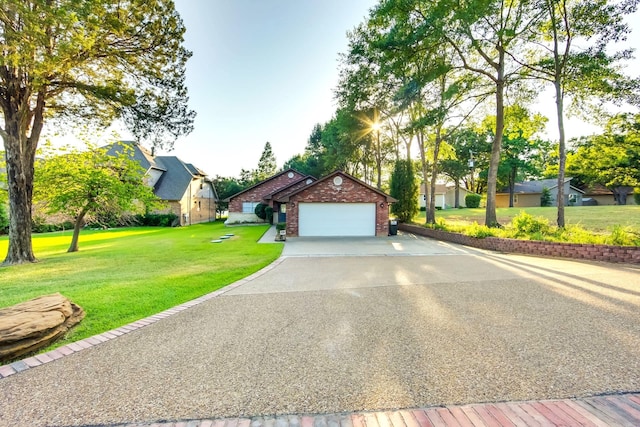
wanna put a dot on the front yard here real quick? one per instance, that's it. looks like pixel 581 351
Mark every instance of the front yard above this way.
pixel 595 218
pixel 122 275
pixel 611 225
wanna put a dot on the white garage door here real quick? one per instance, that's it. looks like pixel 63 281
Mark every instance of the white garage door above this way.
pixel 337 219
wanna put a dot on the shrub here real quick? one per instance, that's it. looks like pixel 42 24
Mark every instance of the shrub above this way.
pixel 636 196
pixel 545 198
pixel 261 211
pixel 472 200
pixel 622 236
pixel 40 225
pixel 269 214
pixel 526 224
pixel 479 231
pixel 156 220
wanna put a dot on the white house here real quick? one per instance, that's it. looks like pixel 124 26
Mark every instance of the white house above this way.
pixel 445 196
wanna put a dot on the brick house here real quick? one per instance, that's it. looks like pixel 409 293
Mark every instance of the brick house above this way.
pixel 242 205
pixel 336 205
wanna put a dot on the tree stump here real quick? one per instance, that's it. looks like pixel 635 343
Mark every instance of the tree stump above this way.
pixel 34 324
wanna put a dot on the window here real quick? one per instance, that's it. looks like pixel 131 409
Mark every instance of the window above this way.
pixel 249 207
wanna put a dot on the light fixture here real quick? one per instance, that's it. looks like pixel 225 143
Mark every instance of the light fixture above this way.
pixel 382 205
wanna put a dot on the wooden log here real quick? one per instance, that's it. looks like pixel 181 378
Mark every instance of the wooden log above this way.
pixel 34 324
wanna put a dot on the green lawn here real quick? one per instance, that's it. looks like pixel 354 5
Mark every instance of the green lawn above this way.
pixel 122 275
pixel 595 218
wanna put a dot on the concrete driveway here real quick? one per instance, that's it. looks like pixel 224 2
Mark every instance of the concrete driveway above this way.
pixel 341 325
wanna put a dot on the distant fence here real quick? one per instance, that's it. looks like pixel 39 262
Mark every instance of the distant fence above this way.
pixel 608 253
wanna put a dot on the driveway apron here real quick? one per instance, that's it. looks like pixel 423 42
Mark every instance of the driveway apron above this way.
pixel 343 325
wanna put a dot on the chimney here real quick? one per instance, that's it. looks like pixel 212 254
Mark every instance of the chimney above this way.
pixel 153 151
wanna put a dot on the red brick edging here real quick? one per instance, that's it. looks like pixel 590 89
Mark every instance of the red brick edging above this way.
pixel 74 347
pixel 608 253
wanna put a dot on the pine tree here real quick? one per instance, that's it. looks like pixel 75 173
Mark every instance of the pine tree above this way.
pixel 267 165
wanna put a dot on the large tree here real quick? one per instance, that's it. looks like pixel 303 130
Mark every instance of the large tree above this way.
pixel 574 42
pixel 482 34
pixel 88 183
pixel 95 60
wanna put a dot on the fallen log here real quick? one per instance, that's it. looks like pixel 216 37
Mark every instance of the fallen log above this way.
pixel 34 324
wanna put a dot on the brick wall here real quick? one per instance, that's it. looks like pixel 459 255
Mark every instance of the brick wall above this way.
pixel 260 191
pixel 622 254
pixel 348 192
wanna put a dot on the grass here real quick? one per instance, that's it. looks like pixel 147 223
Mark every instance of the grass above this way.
pixel 599 219
pixel 122 275
pixel 612 225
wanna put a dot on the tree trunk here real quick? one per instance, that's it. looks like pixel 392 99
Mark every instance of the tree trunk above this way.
pixel 20 182
pixel 491 219
pixel 562 150
pixel 379 161
pixel 425 173
pixel 512 185
pixel 620 194
pixel 20 153
pixel 457 194
pixel 431 213
pixel 73 247
pixel 20 171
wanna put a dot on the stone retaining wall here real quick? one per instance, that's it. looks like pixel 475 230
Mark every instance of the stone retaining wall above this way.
pixel 608 253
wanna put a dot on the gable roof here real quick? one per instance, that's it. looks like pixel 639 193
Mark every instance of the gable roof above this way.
pixel 388 198
pixel 138 153
pixel 535 187
pixel 176 175
pixel 281 192
pixel 175 180
pixel 271 178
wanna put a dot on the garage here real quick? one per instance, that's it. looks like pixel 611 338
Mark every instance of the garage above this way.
pixel 337 219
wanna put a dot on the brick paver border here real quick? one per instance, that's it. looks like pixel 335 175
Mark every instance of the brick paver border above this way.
pixel 599 411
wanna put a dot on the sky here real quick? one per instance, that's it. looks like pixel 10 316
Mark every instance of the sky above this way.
pixel 260 71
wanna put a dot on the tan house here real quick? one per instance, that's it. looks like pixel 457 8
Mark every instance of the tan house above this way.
pixel 187 190
pixel 445 196
pixel 336 205
pixel 601 195
pixel 528 194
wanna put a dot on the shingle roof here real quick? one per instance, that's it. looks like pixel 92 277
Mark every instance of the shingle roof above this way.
pixel 535 187
pixel 176 175
pixel 140 154
pixel 175 180
pixel 228 199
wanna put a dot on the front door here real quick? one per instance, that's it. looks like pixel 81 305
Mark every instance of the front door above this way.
pixel 282 212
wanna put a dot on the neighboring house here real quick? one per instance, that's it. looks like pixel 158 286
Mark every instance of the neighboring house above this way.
pixel 336 205
pixel 188 192
pixel 601 195
pixel 528 193
pixel 445 196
